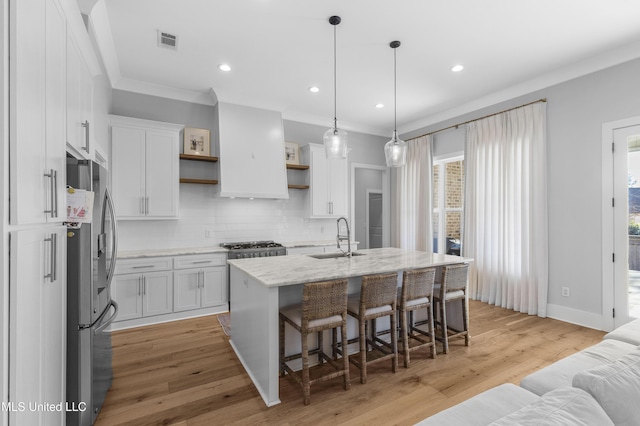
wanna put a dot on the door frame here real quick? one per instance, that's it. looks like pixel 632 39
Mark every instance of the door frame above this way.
pixel 608 215
pixel 386 204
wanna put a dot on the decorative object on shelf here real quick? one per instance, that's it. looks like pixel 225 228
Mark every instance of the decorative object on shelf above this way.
pixel 291 153
pixel 395 151
pixel 197 141
pixel 335 140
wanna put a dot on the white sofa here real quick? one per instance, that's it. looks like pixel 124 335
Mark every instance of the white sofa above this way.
pixel 599 385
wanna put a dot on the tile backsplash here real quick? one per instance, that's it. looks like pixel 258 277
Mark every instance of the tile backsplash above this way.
pixel 208 221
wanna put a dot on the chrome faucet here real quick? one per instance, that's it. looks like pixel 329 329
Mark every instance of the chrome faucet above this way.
pixel 344 237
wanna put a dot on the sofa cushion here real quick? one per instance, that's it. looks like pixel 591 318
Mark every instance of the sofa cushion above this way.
pixel 629 333
pixel 483 408
pixel 616 387
pixel 563 406
pixel 561 373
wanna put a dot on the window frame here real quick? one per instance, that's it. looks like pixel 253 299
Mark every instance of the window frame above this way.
pixel 441 209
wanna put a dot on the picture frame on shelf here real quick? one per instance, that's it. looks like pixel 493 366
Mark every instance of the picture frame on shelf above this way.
pixel 291 153
pixel 197 141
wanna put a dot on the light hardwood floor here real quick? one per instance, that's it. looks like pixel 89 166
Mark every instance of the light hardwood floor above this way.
pixel 185 373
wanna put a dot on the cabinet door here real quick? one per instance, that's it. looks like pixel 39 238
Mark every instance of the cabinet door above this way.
pixel 128 171
pixel 27 120
pixel 338 187
pixel 77 79
pixel 162 179
pixel 157 293
pixel 214 286
pixel 319 183
pixel 56 66
pixel 126 290
pixel 186 289
pixel 37 318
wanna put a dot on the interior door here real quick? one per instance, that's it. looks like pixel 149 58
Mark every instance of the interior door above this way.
pixel 626 235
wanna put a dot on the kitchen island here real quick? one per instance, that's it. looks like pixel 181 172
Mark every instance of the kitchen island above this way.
pixel 260 286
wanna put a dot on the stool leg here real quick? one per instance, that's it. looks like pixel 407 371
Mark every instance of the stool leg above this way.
pixel 465 318
pixel 394 343
pixel 443 323
pixel 345 356
pixel 363 352
pixel 334 343
pixel 320 347
pixel 405 330
pixel 306 385
pixel 432 331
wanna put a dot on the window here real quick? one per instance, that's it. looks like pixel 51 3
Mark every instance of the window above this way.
pixel 448 204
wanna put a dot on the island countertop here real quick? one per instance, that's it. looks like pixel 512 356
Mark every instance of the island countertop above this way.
pixel 301 268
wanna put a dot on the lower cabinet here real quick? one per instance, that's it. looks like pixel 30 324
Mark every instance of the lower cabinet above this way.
pixel 150 290
pixel 143 295
pixel 37 326
pixel 199 288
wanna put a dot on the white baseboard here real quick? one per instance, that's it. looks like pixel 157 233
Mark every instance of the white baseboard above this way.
pixel 575 316
pixel 157 319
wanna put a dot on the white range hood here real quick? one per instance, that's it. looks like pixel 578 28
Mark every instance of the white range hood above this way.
pixel 251 149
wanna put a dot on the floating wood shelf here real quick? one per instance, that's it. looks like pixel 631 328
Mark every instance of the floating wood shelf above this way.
pixel 198 158
pixel 297 167
pixel 298 186
pixel 200 181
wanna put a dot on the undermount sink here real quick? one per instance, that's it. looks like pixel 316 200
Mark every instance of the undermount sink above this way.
pixel 334 255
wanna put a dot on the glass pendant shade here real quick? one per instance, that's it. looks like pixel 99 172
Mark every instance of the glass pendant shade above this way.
pixel 335 143
pixel 395 151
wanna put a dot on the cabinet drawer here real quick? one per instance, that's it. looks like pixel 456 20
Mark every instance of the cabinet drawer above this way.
pixel 150 264
pixel 199 261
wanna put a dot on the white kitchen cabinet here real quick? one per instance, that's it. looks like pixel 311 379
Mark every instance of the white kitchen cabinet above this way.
pixel 37 314
pixel 145 168
pixel 143 294
pixel 79 101
pixel 202 284
pixel 37 98
pixel 328 192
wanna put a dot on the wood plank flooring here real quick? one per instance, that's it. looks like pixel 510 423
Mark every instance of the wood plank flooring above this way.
pixel 185 373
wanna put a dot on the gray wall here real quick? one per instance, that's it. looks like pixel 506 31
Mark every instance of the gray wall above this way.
pixel 576 111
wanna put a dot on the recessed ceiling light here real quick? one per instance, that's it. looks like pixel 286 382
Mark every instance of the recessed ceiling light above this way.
pixel 379 105
pixel 224 67
pixel 457 68
pixel 314 89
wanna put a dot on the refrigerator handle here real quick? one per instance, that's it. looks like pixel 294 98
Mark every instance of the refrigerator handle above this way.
pixel 114 237
pixel 108 322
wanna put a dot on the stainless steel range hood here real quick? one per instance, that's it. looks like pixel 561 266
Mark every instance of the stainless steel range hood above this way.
pixel 250 144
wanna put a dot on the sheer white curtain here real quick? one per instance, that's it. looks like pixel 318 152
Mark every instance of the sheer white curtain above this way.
pixel 506 225
pixel 413 197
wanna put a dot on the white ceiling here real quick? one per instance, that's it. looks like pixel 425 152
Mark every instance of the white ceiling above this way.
pixel 279 48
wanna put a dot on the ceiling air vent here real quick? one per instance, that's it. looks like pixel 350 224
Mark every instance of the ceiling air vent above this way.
pixel 167 40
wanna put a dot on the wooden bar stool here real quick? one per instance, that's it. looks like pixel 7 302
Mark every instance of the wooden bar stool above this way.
pixel 377 299
pixel 416 293
pixel 323 307
pixel 452 288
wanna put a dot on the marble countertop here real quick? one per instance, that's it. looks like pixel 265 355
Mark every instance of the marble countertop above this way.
pixel 322 243
pixel 300 268
pixel 135 254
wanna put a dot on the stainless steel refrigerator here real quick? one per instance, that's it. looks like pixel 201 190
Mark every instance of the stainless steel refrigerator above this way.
pixel 91 261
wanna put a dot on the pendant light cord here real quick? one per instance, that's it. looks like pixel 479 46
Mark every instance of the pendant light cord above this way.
pixel 335 81
pixel 395 82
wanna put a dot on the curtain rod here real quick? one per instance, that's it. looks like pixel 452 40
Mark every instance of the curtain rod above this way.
pixel 455 126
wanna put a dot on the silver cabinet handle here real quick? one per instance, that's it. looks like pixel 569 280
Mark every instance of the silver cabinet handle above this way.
pixel 146 205
pixel 52 275
pixel 142 205
pixel 143 267
pixel 86 135
pixel 200 261
pixel 201 284
pixel 144 285
pixel 53 191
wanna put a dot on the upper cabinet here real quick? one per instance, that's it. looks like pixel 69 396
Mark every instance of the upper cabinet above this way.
pixel 251 149
pixel 144 168
pixel 79 102
pixel 37 101
pixel 328 196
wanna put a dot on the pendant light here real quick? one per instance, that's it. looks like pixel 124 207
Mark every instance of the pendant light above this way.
pixel 395 151
pixel 335 139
